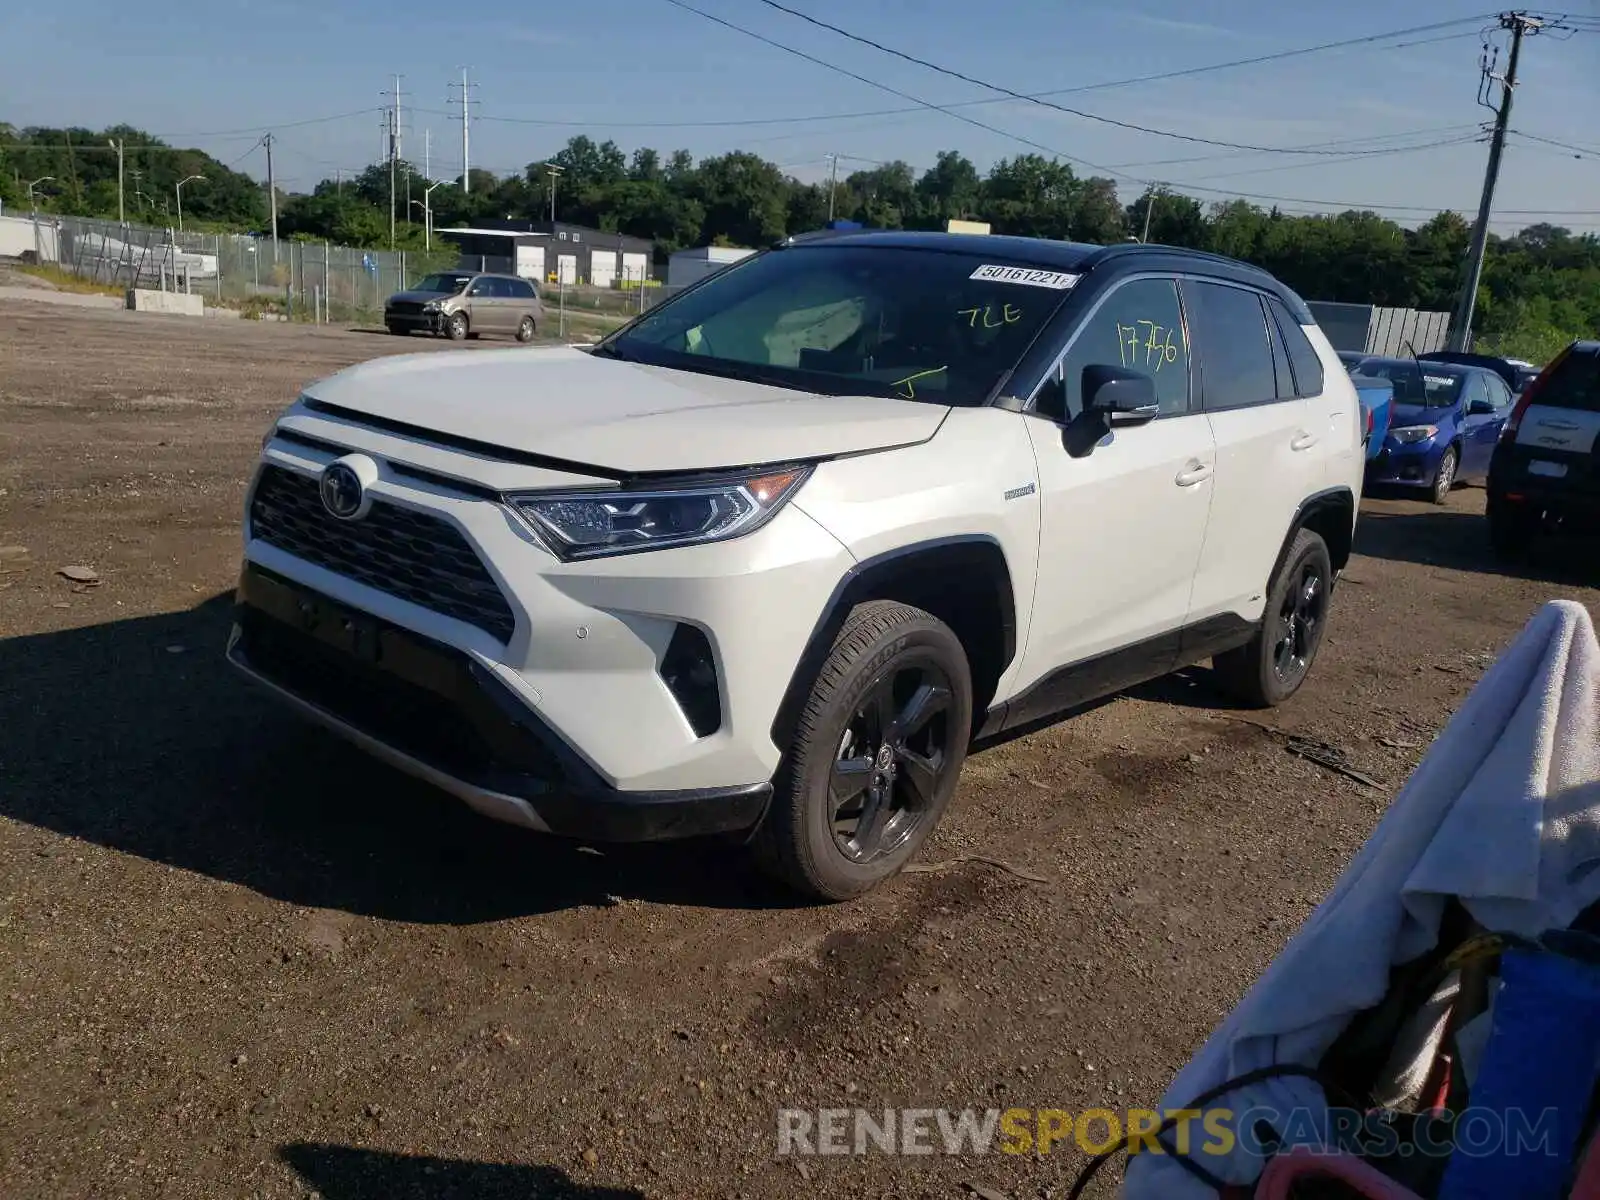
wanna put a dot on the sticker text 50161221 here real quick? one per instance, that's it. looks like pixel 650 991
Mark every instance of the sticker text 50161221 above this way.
pixel 1058 281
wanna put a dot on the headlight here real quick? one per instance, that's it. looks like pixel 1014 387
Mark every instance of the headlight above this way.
pixel 1408 435
pixel 430 306
pixel 589 524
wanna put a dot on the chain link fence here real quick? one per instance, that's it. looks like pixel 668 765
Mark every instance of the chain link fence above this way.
pixel 303 280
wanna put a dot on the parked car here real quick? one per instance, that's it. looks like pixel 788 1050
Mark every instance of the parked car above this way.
pixel 1445 423
pixel 462 304
pixel 1351 357
pixel 1377 402
pixel 1545 474
pixel 765 560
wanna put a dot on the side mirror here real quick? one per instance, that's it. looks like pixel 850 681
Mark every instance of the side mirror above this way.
pixel 1481 408
pixel 1120 396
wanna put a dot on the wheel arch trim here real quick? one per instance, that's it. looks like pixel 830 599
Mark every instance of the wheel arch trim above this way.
pixel 869 572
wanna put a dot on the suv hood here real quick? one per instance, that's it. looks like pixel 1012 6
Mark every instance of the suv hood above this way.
pixel 565 404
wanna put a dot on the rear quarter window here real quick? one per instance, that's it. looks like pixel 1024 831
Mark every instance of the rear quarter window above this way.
pixel 1573 383
pixel 1308 379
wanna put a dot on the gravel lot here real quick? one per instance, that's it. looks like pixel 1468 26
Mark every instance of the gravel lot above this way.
pixel 240 959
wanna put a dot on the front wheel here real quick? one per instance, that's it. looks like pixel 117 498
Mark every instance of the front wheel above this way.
pixel 1445 477
pixel 876 754
pixel 456 327
pixel 1270 668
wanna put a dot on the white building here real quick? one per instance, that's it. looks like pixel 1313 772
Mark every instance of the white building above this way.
pixel 691 266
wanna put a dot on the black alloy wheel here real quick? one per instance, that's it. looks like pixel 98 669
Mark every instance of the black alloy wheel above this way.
pixel 1300 617
pixel 892 761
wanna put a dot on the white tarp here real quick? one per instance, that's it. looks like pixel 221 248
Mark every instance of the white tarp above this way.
pixel 1503 813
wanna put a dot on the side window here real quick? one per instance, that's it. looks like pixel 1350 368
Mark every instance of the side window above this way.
pixel 1302 355
pixel 478 287
pixel 1138 327
pixel 1477 390
pixel 1499 394
pixel 525 290
pixel 1230 328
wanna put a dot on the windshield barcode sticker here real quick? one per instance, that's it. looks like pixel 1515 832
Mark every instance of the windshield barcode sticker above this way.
pixel 1058 280
pixel 1438 380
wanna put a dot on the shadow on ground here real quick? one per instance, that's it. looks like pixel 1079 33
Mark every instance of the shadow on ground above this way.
pixel 345 1173
pixel 137 736
pixel 1445 537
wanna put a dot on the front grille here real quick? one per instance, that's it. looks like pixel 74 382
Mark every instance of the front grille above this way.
pixel 408 308
pixel 397 550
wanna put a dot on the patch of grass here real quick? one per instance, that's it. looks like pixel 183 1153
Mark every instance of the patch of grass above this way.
pixel 66 281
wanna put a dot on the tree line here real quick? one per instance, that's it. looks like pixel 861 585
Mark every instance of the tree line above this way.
pixel 1541 286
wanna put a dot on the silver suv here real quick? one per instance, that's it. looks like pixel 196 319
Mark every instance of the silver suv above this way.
pixel 463 304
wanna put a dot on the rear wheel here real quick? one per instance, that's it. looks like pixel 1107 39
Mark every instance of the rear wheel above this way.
pixel 876 754
pixel 525 330
pixel 1445 477
pixel 456 327
pixel 1270 668
pixel 1511 531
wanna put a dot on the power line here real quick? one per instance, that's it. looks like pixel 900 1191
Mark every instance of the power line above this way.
pixel 947 110
pixel 815 118
pixel 1349 156
pixel 1533 137
pixel 1075 112
pixel 1362 142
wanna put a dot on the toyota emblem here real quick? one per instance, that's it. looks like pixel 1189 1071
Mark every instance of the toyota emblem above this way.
pixel 341 491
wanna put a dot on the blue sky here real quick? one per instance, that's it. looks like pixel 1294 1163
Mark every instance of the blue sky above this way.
pixel 210 74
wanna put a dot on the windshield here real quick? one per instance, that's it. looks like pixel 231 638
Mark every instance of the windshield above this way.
pixel 917 324
pixel 1427 384
pixel 447 282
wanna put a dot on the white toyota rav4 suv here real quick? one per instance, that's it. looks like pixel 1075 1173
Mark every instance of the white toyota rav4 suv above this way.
pixel 764 561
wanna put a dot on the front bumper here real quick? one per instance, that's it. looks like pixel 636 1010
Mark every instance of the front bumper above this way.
pixel 1404 466
pixel 586 648
pixel 413 322
pixel 433 712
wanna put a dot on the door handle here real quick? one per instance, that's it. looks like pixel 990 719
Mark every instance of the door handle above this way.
pixel 1195 472
pixel 1303 441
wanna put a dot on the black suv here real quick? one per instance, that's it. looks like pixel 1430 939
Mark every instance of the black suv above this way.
pixel 1545 474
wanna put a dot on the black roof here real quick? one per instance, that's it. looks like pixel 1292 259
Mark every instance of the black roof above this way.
pixel 1080 257
pixel 1442 366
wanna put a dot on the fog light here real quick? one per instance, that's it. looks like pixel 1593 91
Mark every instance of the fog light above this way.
pixel 690 673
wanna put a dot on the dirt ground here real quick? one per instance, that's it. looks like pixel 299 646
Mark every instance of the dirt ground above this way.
pixel 240 959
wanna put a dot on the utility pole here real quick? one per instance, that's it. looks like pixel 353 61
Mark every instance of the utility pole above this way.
pixel 1149 207
pixel 554 172
pixel 427 155
pixel 121 215
pixel 394 157
pixel 833 180
pixel 466 101
pixel 1519 25
pixel 272 194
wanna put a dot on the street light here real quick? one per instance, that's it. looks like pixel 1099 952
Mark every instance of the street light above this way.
pixel 427 212
pixel 178 191
pixel 36 183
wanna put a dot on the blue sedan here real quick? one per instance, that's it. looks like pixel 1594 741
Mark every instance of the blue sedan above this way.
pixel 1443 426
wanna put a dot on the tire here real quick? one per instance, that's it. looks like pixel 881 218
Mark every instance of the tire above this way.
pixel 1270 668
pixel 525 329
pixel 891 704
pixel 1444 476
pixel 1511 532
pixel 455 327
pixel 397 330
